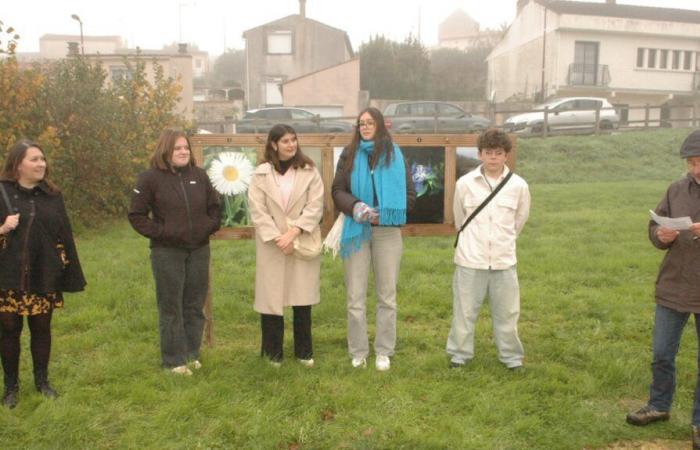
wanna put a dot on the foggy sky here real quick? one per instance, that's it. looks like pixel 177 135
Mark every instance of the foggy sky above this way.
pixel 216 24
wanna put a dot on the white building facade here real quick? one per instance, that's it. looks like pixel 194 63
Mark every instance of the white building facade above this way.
pixel 631 55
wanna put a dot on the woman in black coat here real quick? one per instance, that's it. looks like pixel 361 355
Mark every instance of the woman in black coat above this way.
pixel 38 262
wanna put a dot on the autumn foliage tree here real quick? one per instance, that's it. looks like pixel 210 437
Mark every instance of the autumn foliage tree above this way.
pixel 98 134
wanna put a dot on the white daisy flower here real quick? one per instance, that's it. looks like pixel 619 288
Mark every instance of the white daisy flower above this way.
pixel 230 173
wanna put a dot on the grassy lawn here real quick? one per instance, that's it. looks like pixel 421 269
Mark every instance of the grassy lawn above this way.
pixel 586 271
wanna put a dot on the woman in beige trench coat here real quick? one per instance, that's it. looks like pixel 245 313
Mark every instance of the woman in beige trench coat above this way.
pixel 286 199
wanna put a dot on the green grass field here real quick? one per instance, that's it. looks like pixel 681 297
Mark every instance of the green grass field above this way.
pixel 586 271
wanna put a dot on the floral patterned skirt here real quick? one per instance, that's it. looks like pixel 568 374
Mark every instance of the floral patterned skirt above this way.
pixel 29 304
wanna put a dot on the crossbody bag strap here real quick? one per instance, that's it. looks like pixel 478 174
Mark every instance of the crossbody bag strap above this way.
pixel 483 205
pixel 6 199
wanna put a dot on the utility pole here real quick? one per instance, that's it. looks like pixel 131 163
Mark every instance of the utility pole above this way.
pixel 82 43
pixel 544 51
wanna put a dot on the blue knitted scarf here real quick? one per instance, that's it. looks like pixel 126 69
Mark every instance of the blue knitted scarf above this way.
pixel 390 183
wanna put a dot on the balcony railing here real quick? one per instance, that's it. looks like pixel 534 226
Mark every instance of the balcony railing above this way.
pixel 588 75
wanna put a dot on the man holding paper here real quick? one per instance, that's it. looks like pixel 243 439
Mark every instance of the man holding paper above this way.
pixel 677 286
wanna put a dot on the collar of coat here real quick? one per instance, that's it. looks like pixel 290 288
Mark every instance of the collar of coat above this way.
pixel 42 186
pixel 272 190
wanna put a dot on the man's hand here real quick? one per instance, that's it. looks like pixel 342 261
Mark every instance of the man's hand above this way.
pixel 667 235
pixel 695 229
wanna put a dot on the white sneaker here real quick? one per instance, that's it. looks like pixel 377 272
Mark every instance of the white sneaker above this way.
pixel 276 364
pixel 383 363
pixel 358 363
pixel 196 365
pixel 307 362
pixel 181 370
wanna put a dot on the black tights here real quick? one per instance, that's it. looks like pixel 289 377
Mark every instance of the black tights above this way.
pixel 10 330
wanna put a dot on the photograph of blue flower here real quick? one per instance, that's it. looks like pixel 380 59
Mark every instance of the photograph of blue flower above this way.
pixel 427 165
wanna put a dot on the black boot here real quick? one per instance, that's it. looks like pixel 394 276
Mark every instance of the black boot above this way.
pixel 41 381
pixel 11 395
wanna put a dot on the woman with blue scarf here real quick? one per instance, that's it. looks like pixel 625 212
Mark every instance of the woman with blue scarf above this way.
pixel 374 189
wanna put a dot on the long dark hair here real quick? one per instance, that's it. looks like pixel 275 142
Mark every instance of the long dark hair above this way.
pixel 164 150
pixel 383 145
pixel 16 155
pixel 271 156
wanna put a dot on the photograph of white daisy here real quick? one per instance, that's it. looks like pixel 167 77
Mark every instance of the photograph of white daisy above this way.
pixel 230 171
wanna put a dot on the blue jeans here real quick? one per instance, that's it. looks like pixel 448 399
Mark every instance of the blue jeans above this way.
pixel 668 329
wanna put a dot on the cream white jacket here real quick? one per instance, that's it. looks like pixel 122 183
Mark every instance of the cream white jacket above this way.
pixel 488 242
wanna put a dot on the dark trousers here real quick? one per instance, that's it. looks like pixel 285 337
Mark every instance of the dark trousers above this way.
pixel 182 281
pixel 273 334
pixel 668 328
pixel 11 325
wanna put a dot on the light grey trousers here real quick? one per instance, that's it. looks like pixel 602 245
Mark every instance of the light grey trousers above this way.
pixel 383 254
pixel 469 287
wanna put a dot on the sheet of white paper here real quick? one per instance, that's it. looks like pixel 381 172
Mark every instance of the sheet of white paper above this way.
pixel 674 223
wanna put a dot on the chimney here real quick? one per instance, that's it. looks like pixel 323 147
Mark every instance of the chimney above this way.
pixel 611 2
pixel 182 48
pixel 302 8
pixel 73 49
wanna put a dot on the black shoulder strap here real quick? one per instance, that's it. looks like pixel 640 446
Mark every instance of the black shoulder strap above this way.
pixel 483 205
pixel 6 199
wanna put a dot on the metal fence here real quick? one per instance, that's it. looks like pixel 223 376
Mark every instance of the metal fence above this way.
pixel 594 121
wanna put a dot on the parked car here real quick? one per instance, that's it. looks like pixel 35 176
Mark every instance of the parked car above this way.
pixel 565 114
pixel 261 120
pixel 431 117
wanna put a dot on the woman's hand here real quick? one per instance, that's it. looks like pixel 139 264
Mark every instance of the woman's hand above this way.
pixel 362 212
pixel 285 242
pixel 374 217
pixel 10 224
pixel 667 235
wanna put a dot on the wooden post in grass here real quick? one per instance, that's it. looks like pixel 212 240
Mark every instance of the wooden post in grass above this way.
pixel 646 115
pixel 208 315
pixel 596 128
pixel 545 123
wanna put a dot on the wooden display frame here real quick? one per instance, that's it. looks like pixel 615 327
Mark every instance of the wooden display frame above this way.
pixel 327 142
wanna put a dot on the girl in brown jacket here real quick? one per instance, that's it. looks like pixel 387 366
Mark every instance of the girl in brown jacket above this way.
pixel 175 205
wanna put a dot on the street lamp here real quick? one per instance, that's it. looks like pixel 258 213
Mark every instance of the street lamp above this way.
pixel 82 44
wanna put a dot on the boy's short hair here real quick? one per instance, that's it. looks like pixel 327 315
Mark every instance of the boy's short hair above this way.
pixel 494 138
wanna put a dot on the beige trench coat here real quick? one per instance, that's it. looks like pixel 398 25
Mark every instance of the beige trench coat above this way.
pixel 284 280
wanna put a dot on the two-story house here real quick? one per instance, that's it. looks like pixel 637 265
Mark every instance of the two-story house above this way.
pixel 286 49
pixel 632 55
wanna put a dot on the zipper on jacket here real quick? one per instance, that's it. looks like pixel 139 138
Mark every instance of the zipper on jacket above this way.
pixel 187 207
pixel 25 248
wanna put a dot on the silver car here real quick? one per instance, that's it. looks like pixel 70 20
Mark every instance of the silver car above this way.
pixel 569 113
pixel 431 117
pixel 303 121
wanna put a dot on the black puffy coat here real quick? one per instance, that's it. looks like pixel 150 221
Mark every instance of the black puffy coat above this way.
pixel 30 255
pixel 175 209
